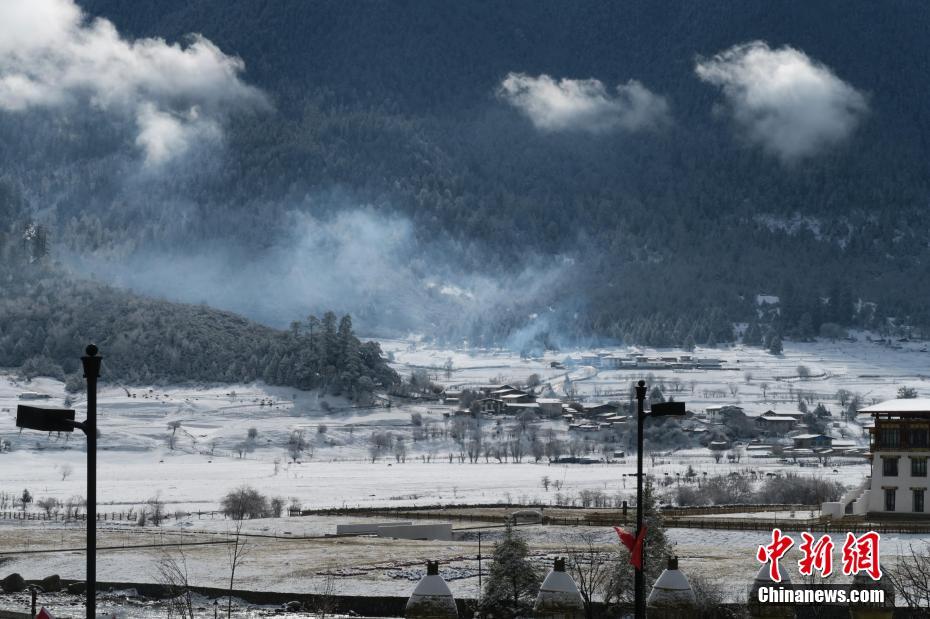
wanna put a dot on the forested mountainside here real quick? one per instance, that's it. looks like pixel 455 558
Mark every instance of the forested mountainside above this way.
pixel 47 317
pixel 661 233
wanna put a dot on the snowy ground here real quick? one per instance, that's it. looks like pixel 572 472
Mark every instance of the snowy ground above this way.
pixel 136 461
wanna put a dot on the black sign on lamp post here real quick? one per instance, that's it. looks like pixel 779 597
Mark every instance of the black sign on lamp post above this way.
pixel 659 409
pixel 62 420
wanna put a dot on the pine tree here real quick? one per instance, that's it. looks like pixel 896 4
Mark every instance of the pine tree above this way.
pixel 775 345
pixel 657 548
pixel 512 581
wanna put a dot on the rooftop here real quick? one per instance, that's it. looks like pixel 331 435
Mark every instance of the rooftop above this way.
pixel 906 405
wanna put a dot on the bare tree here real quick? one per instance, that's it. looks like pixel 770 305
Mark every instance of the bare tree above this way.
pixel 592 568
pixel 277 506
pixel 326 598
pixel 66 470
pixel 236 551
pixel 172 575
pixel 910 577
pixel 173 426
pixel 155 510
pixel 49 505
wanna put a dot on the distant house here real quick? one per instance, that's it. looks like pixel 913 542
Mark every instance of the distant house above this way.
pixel 773 425
pixel 591 359
pixel 583 427
pixel 505 390
pixel 612 362
pixel 517 408
pixel 812 441
pixel 550 407
pixel 517 397
pixel 492 406
pixel 599 408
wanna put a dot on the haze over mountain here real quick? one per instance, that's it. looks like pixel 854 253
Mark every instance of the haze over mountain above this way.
pixel 518 172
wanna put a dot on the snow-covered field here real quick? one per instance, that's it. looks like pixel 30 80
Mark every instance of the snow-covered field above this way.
pixel 191 467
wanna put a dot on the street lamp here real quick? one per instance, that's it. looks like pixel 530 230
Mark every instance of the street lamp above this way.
pixel 62 420
pixel 659 409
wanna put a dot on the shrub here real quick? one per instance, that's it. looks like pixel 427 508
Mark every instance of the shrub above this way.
pixel 245 502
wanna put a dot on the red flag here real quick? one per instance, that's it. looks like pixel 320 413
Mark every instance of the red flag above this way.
pixel 634 544
pixel 44 614
pixel 626 538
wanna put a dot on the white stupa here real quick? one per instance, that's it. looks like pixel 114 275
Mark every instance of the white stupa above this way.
pixel 769 611
pixel 878 610
pixel 672 591
pixel 432 598
pixel 558 597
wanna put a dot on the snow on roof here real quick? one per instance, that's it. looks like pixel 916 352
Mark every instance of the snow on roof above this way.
pixel 903 405
pixel 776 418
pixel 548 401
pixel 432 585
pixel 806 436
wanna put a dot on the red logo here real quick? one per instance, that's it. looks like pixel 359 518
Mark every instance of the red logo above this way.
pixel 861 555
pixel 774 551
pixel 817 555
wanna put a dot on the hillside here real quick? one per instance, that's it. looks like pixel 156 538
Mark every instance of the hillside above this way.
pixel 657 236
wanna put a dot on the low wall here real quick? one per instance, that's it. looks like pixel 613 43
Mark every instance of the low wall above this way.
pixel 438 531
pixel 366 528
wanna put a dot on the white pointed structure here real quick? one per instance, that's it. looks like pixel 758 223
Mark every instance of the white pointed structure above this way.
pixel 769 611
pixel 432 598
pixel 877 610
pixel 672 595
pixel 558 597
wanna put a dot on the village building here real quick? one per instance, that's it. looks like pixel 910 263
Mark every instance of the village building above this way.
pixel 900 445
pixel 490 406
pixel 775 425
pixel 550 407
pixel 518 408
pixel 812 441
pixel 592 409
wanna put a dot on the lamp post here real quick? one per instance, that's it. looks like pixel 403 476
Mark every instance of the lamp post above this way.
pixel 91 362
pixel 62 420
pixel 659 409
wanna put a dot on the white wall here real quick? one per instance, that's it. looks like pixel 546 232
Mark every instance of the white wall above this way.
pixel 903 481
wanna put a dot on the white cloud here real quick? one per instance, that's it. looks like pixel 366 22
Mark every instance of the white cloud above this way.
pixel 583 104
pixel 51 55
pixel 790 104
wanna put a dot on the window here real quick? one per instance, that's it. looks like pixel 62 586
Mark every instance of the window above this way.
pixel 918 500
pixel 889 499
pixel 890 467
pixel 889 437
pixel 917 437
pixel 918 467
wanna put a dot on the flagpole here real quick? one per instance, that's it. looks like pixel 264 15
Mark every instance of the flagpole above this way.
pixel 639 583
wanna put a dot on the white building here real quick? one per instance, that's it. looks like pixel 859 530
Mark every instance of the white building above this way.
pixel 900 445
